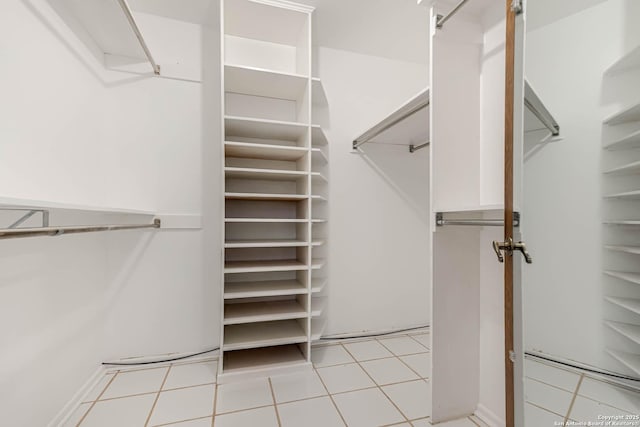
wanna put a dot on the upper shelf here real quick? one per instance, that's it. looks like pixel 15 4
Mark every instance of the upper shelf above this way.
pixel 10 202
pixel 537 114
pixel 261 82
pixel 111 25
pixel 630 114
pixel 629 141
pixel 247 127
pixel 629 61
pixel 407 125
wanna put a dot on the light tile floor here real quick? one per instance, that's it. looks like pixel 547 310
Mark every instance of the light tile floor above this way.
pixel 368 383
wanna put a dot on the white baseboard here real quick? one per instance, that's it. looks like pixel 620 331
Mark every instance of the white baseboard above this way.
pixel 489 417
pixel 77 398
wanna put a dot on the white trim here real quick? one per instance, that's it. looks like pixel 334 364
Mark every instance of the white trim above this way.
pixel 68 409
pixel 489 417
pixel 287 5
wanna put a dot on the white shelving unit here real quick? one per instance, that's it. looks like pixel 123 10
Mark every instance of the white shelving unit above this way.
pixel 276 188
pixel 623 244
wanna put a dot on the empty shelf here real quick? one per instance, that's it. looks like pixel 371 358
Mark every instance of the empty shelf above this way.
pixel 236 290
pixel 319 153
pixel 263 358
pixel 628 222
pixel 629 195
pixel 628 61
pixel 263 266
pixel 624 275
pixel 265 334
pixel 252 150
pixel 317 264
pixel 265 220
pixel 319 221
pixel 266 174
pixel 274 243
pixel 252 312
pixel 318 177
pixel 629 141
pixel 262 128
pixel 625 169
pixel 317 285
pixel 625 249
pixel 318 138
pixel 317 242
pixel 627 330
pixel 630 304
pixel 631 361
pixel 264 196
pixel 261 82
pixel 318 198
pixel 631 114
pixel 317 306
pixel 318 326
pixel 318 95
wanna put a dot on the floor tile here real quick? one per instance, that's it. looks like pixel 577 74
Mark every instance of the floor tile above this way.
pixel 200 422
pixel 424 339
pixel 421 423
pixel 243 395
pixel 302 385
pixel 412 398
pixel 368 350
pixel 551 375
pixel 388 371
pixel 420 363
pixel 545 396
pixel 191 374
pixel 345 378
pixel 478 421
pixel 330 355
pixel 462 422
pixel 318 412
pixel 263 417
pixel 367 408
pixel 127 411
pixel 585 410
pixel 538 417
pixel 183 404
pixel 135 382
pixel 98 388
pixel 77 415
pixel 401 346
pixel 610 395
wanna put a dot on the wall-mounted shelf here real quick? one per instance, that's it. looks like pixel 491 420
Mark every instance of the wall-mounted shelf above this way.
pixel 266 288
pixel 261 82
pixel 318 138
pixel 626 249
pixel 624 275
pixel 627 195
pixel 268 174
pixel 263 151
pixel 264 196
pixel 263 266
pixel 10 202
pixel 248 127
pixel 318 285
pixel 252 312
pixel 265 334
pixel 631 361
pixel 238 244
pixel 629 61
pixel 630 114
pixel 627 142
pixel 630 304
pixel 627 330
pixel 623 223
pixel 630 168
pixel 265 220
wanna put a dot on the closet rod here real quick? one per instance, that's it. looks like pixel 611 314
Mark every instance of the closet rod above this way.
pixel 536 106
pixel 11 233
pixel 442 19
pixel 441 221
pixel 132 22
pixel 414 148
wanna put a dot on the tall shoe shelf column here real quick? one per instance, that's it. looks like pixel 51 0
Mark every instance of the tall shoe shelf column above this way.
pixel 270 273
pixel 622 218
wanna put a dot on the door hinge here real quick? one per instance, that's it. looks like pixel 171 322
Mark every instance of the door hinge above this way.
pixel 516 7
pixel 508 247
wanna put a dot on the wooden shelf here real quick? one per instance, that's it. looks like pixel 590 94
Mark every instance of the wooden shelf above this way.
pixel 629 222
pixel 259 359
pixel 265 174
pixel 270 288
pixel 263 266
pixel 630 168
pixel 247 127
pixel 630 114
pixel 627 330
pixel 624 275
pixel 626 249
pixel 630 304
pixel 318 285
pixel 263 151
pixel 631 361
pixel 629 61
pixel 318 305
pixel 270 243
pixel 261 82
pixel 629 141
pixel 265 220
pixel 252 312
pixel 318 138
pixel 265 334
pixel 265 196
pixel 628 195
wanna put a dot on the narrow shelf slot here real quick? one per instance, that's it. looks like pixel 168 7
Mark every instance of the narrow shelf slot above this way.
pixel 267 288
pixel 264 196
pixel 318 177
pixel 630 304
pixel 630 168
pixel 252 312
pixel 262 82
pixel 317 242
pixel 626 249
pixel 272 243
pixel 631 114
pixel 263 358
pixel 253 150
pixel 630 141
pixel 263 266
pixel 266 174
pixel 623 275
pixel 247 127
pixel 317 263
pixel 627 330
pixel 631 361
pixel 263 334
pixel 628 195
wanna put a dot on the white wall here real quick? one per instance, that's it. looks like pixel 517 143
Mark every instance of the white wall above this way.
pixel 378 228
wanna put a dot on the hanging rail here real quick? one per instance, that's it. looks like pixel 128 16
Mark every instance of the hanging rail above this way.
pixel 29 213
pixel 441 221
pixel 132 22
pixel 12 233
pixel 536 106
pixel 442 19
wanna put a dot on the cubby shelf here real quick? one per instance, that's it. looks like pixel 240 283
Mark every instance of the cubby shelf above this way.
pixel 252 312
pixel 264 334
pixel 248 127
pixel 318 177
pixel 626 249
pixel 630 304
pixel 267 288
pixel 628 195
pixel 270 243
pixel 627 142
pixel 318 153
pixel 318 285
pixel 264 196
pixel 262 82
pixel 629 168
pixel 624 275
pixel 627 330
pixel 259 359
pixel 630 114
pixel 264 151
pixel 266 174
pixel 265 220
pixel 263 266
pixel 318 326
pixel 317 306
pixel 631 361
pixel 318 138
pixel 629 61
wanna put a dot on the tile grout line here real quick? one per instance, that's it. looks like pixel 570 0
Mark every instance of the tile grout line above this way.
pixel 96 401
pixel 275 405
pixel 573 399
pixel 173 423
pixel 550 385
pixel 162 365
pixel 379 388
pixel 412 370
pixel 411 336
pixel 331 397
pixel 215 404
pixel 470 418
pixel 155 401
pixel 541 407
pixel 244 410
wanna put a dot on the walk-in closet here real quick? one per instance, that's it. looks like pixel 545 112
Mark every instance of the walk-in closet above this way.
pixel 319 213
